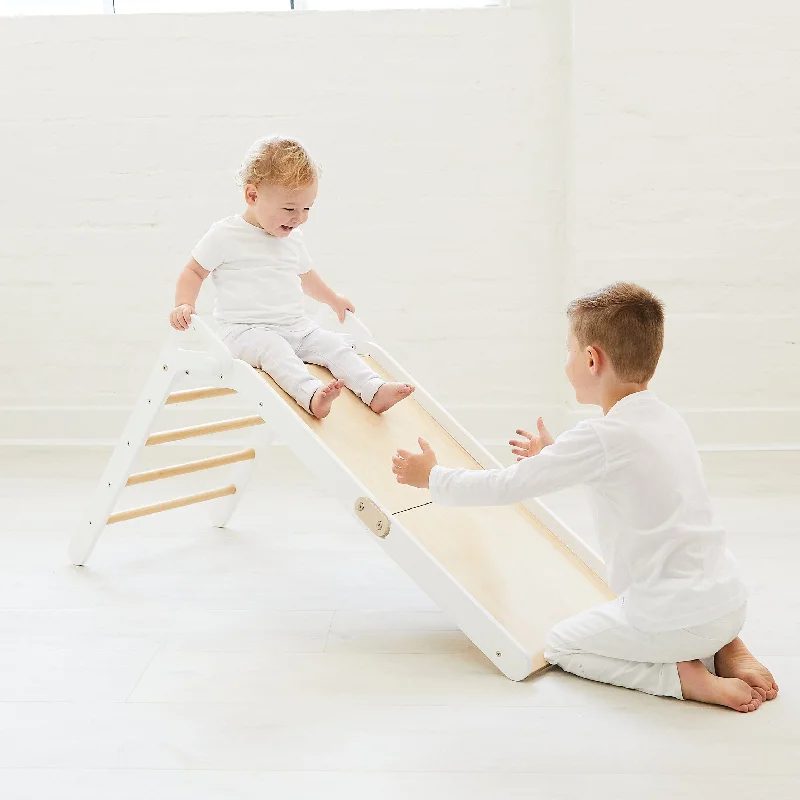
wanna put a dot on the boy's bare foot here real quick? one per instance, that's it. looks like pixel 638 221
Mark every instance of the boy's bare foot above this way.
pixel 697 683
pixel 736 661
pixel 323 399
pixel 390 394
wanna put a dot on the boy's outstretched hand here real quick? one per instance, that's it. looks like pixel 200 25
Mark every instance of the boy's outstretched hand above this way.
pixel 531 445
pixel 414 469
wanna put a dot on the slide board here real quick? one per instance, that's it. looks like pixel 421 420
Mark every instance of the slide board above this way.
pixel 507 560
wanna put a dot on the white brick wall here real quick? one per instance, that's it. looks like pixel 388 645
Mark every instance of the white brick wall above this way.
pixel 440 134
pixel 448 140
pixel 685 176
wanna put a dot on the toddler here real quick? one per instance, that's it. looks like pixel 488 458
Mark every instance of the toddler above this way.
pixel 260 269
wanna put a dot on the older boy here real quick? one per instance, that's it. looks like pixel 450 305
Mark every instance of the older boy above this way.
pixel 673 629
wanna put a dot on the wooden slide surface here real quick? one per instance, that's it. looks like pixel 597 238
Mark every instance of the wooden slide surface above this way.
pixel 503 556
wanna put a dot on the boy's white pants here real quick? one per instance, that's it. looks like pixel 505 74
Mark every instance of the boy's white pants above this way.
pixel 601 645
pixel 283 354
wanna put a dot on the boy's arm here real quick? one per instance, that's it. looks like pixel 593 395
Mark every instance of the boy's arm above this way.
pixel 318 290
pixel 189 283
pixel 577 456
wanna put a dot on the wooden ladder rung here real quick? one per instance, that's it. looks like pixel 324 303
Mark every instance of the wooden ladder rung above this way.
pixel 191 466
pixel 179 502
pixel 203 430
pixel 188 395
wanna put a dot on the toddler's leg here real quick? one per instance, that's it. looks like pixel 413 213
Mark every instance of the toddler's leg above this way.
pixel 331 351
pixel 602 646
pixel 270 352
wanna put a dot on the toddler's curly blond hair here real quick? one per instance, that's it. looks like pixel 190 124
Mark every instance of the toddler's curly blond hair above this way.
pixel 277 160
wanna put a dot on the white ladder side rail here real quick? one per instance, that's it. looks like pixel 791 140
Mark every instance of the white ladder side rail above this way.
pixel 115 475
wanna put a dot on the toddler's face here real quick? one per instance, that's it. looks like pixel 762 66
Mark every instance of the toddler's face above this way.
pixel 278 210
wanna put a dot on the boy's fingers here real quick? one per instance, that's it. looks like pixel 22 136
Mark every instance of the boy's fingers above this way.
pixel 527 435
pixel 519 452
pixel 518 443
pixel 403 453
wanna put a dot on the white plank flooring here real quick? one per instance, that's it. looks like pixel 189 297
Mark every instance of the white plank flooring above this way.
pixel 287 657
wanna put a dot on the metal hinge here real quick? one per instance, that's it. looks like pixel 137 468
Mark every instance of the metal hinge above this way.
pixel 372 516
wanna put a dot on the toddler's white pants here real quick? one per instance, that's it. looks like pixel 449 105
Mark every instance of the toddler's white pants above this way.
pixel 281 353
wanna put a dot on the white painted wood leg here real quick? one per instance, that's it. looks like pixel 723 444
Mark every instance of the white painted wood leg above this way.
pixel 119 466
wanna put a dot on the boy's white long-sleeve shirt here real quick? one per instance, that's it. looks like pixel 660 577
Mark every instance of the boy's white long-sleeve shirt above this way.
pixel 664 553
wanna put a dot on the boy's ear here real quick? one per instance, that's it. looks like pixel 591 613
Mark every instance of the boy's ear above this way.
pixel 593 357
pixel 250 194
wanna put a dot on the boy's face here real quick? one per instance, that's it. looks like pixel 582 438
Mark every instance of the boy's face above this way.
pixel 581 370
pixel 278 210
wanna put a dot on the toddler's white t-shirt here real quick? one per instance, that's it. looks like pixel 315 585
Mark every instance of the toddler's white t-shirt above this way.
pixel 257 276
pixel 664 552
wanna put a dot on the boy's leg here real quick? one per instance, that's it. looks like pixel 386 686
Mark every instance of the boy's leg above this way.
pixel 271 352
pixel 331 351
pixel 602 646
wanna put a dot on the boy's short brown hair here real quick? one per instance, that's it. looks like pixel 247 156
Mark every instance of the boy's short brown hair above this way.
pixel 279 161
pixel 627 323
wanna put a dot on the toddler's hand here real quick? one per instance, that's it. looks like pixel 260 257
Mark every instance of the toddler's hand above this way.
pixel 342 304
pixel 181 317
pixel 531 445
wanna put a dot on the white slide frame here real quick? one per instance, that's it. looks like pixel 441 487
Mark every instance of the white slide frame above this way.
pixel 201 356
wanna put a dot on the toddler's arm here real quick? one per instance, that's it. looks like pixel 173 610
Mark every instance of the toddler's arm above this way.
pixel 318 290
pixel 189 283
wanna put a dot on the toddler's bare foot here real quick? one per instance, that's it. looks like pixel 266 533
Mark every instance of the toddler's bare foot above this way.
pixel 390 394
pixel 323 399
pixel 697 683
pixel 736 661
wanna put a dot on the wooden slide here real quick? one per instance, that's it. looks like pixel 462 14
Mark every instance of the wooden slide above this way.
pixel 505 574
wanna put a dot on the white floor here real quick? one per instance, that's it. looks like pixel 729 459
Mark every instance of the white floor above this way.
pixel 287 657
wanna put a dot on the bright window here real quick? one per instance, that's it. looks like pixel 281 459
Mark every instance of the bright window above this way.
pixel 29 7
pixel 55 7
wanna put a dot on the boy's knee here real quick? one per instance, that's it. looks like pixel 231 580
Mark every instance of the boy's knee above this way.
pixel 555 644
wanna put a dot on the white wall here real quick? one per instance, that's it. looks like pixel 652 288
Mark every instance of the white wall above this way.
pixel 448 139
pixel 686 177
pixel 441 137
